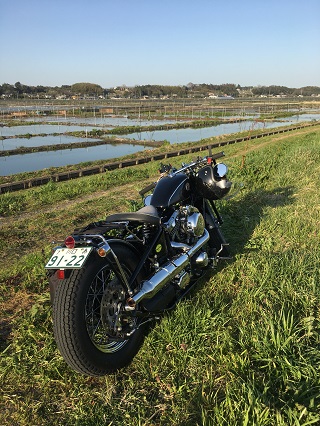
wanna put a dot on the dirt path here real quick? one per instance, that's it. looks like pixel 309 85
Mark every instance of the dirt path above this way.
pixel 116 192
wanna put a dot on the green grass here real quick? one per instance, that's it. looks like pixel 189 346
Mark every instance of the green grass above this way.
pixel 243 349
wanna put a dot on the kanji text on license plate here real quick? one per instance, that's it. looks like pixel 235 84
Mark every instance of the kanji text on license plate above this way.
pixel 64 258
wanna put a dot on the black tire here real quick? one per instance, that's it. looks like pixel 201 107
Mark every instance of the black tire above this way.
pixel 78 329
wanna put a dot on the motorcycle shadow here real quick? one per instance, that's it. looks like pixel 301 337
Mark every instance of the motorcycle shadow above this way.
pixel 241 217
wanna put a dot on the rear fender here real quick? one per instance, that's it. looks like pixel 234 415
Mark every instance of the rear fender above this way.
pixel 111 258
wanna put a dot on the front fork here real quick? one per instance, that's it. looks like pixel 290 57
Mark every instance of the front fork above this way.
pixel 219 248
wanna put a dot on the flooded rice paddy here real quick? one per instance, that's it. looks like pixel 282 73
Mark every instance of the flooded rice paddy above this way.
pixel 55 128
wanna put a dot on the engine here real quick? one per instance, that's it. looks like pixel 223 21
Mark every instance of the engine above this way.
pixel 186 225
pixel 186 228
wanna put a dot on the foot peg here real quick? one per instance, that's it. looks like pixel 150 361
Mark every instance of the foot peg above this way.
pixel 223 253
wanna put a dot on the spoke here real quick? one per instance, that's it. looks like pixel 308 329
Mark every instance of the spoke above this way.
pixel 104 281
pixel 96 328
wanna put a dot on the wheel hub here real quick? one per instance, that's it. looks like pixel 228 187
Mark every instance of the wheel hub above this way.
pixel 111 303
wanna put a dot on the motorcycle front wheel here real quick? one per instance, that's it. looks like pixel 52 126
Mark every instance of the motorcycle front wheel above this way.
pixel 86 319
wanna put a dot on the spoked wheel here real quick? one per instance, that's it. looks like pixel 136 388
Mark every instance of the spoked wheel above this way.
pixel 92 332
pixel 105 299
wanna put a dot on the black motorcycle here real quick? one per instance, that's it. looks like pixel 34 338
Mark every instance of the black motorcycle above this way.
pixel 109 280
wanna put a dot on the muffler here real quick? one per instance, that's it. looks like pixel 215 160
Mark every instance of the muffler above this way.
pixel 165 274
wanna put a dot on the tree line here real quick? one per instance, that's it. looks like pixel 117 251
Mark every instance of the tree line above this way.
pixel 19 90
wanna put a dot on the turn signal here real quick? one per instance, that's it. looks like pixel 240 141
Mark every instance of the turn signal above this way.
pixel 101 252
pixel 70 242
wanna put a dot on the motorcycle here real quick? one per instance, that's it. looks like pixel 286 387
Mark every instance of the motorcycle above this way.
pixel 111 279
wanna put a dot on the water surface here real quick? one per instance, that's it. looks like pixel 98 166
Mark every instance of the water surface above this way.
pixel 36 161
pixel 37 141
pixel 40 160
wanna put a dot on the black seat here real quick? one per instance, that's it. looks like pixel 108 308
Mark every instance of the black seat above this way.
pixel 147 214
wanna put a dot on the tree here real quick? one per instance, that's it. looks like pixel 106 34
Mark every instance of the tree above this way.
pixel 18 88
pixel 87 89
pixel 7 89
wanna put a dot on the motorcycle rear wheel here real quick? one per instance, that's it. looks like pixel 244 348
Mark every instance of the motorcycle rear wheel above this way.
pixel 80 322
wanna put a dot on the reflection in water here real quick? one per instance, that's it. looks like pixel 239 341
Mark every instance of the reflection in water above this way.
pixel 37 161
pixel 193 135
pixel 76 124
pixel 37 141
pixel 41 160
pixel 37 129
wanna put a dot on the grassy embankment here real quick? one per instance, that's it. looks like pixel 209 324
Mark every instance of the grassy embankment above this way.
pixel 243 350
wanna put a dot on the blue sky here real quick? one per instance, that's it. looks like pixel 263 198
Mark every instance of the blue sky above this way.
pixel 174 42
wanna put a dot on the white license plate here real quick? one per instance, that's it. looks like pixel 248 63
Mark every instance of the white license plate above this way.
pixel 64 258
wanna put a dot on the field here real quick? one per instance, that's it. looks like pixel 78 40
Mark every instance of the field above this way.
pixel 244 349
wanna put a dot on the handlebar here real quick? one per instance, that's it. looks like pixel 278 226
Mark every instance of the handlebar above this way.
pixel 147 188
pixel 217 155
pixel 199 162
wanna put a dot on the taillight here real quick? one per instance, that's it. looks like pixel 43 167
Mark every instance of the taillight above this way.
pixel 70 242
pixel 60 274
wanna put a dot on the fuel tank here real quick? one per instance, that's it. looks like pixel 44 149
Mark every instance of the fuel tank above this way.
pixel 171 190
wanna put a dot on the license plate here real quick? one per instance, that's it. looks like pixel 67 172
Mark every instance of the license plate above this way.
pixel 64 258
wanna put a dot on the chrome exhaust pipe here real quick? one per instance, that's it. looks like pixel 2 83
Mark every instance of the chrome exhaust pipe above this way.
pixel 165 274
